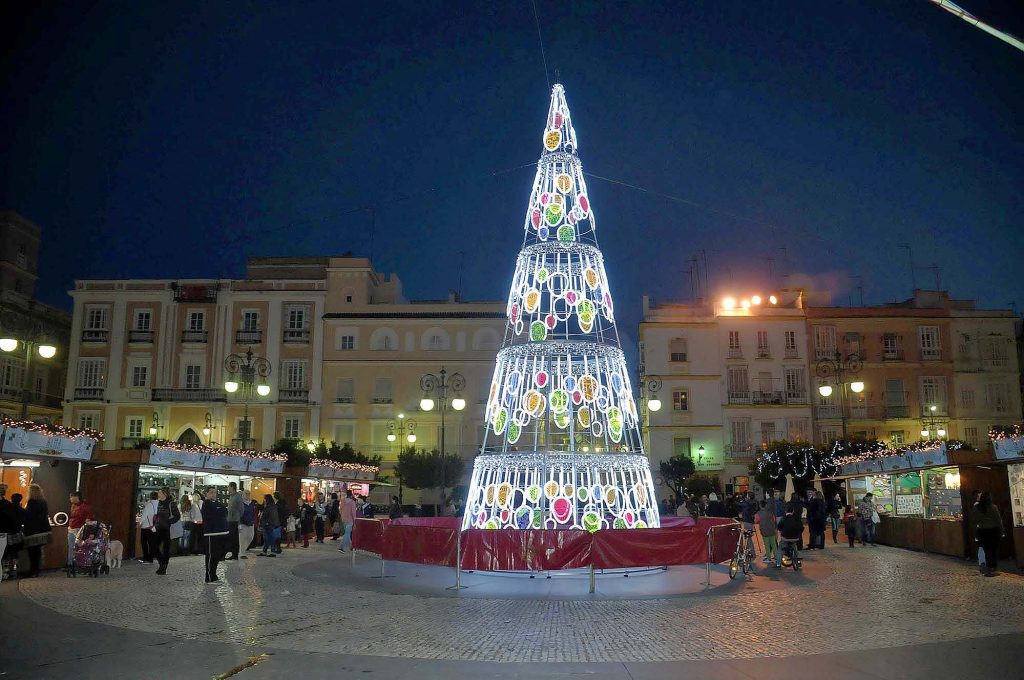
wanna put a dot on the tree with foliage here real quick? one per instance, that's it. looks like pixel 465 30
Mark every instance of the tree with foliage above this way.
pixel 675 471
pixel 422 469
pixel 702 485
pixel 298 454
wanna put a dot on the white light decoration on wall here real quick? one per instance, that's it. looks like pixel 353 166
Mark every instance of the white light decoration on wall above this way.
pixel 562 447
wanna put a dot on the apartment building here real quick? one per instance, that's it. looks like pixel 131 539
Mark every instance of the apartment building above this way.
pixel 733 375
pixel 30 381
pixel 932 367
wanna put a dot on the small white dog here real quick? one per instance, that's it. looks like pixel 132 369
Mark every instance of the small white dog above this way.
pixel 115 551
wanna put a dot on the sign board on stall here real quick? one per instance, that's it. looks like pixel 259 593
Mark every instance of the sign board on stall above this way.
pixel 264 465
pixel 930 457
pixel 870 466
pixel 895 463
pixel 233 463
pixel 19 442
pixel 321 471
pixel 1008 447
pixel 910 504
pixel 162 455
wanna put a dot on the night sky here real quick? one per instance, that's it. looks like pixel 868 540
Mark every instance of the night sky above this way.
pixel 170 140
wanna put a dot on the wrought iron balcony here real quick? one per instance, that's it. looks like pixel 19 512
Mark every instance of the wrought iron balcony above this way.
pixel 739 397
pixel 248 337
pixel 134 443
pixel 248 444
pixel 791 353
pixel 194 336
pixel 383 400
pixel 141 336
pixel 896 411
pixel 793 397
pixel 296 335
pixel 195 292
pixel 764 353
pixel 892 355
pixel 293 395
pixel 89 393
pixel 344 400
pixel 10 393
pixel 828 411
pixel 769 397
pixel 931 354
pixel 189 394
pixel 95 335
pixel 735 353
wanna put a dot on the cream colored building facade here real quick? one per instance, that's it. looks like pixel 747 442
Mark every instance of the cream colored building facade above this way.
pixel 347 353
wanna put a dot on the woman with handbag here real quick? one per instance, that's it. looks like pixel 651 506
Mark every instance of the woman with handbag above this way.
pixel 37 528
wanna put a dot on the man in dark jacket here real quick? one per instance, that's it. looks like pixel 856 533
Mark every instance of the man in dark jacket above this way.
pixel 235 508
pixel 215 529
pixel 791 531
pixel 282 514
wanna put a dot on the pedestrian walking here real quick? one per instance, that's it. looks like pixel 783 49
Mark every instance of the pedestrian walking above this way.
pixel 334 517
pixel 778 505
pixel 37 528
pixel 197 519
pixel 166 515
pixel 146 517
pixel 234 517
pixel 988 525
pixel 271 527
pixel 347 512
pixel 290 526
pixel 715 507
pixel 395 511
pixel 246 524
pixel 306 515
pixel 80 513
pixel 320 508
pixel 185 512
pixel 866 519
pixel 9 524
pixel 215 531
pixel 769 532
pixel 748 516
pixel 817 518
pixel 835 514
pixel 850 524
pixel 283 513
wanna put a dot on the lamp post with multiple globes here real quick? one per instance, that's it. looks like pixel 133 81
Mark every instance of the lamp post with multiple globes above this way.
pixel 837 369
pixel 442 386
pixel 932 423
pixel 40 346
pixel 247 376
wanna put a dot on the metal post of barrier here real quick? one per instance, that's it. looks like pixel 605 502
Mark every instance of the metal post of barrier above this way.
pixel 592 578
pixel 458 562
pixel 708 583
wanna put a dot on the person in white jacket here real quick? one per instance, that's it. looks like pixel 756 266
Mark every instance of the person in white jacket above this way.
pixel 149 511
pixel 196 516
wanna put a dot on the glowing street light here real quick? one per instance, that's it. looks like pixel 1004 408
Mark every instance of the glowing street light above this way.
pixel 825 390
pixel 654 404
pixel 728 303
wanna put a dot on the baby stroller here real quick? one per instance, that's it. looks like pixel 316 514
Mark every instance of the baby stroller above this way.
pixel 90 549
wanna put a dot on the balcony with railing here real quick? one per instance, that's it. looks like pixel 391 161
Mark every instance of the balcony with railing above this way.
pixel 344 400
pixel 828 411
pixel 201 292
pixel 931 354
pixel 791 353
pixel 739 397
pixel 735 353
pixel 293 395
pixel 249 337
pixel 383 400
pixel 764 353
pixel 296 335
pixel 141 337
pixel 735 452
pixel 796 397
pixel 189 394
pixel 95 335
pixel 194 336
pixel 824 353
pixel 89 393
pixel 768 397
pixel 896 411
pixel 11 393
pixel 892 355
pixel 134 443
pixel 248 444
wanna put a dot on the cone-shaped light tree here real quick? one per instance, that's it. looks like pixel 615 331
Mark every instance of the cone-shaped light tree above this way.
pixel 563 446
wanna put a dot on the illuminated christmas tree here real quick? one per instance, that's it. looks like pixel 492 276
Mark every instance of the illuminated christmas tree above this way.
pixel 563 446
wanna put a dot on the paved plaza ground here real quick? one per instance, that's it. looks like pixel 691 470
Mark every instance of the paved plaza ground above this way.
pixel 852 613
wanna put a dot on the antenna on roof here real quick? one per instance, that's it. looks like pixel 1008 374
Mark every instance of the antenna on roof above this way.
pixel 913 277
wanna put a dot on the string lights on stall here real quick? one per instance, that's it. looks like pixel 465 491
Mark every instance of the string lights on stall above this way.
pixel 50 429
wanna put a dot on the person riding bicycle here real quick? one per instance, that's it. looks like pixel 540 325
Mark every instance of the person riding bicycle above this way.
pixel 748 514
pixel 791 530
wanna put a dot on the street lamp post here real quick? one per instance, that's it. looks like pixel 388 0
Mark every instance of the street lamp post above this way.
pixel 208 429
pixel 45 351
pixel 838 369
pixel 397 430
pixel 932 422
pixel 154 428
pixel 650 402
pixel 440 386
pixel 247 377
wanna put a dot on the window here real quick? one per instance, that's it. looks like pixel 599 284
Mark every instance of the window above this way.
pixel 680 400
pixel 345 433
pixel 243 426
pixel 798 429
pixel 134 428
pixel 677 349
pixel 890 346
pixel 92 372
pixel 997 397
pixel 345 391
pixel 96 318
pixel 296 318
pixel 824 342
pixel 88 420
pixel 193 377
pixel 293 373
pixel 12 371
pixel 895 399
pixel 933 393
pixel 791 351
pixel 347 342
pixel 796 382
pixel 994 352
pixel 250 320
pixel 382 391
pixel 967 398
pixel 348 298
pixel 140 376
pixel 829 435
pixel 197 321
pixel 739 430
pixel 739 385
pixel 929 336
pixel 384 339
pixel 971 435
pixel 39 381
pixel 762 344
pixel 143 320
pixel 897 437
pixel 734 340
pixel 435 342
pixel 681 447
pixel 292 427
pixel 768 432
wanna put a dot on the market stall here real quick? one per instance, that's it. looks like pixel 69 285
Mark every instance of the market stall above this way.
pixel 329 476
pixel 1008 446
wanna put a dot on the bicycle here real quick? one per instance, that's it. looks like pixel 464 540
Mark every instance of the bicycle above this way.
pixel 744 557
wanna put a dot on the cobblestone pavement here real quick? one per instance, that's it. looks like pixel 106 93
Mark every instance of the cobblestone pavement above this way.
pixel 882 597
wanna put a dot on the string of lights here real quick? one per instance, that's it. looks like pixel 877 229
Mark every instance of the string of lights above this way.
pixel 232 453
pixel 49 429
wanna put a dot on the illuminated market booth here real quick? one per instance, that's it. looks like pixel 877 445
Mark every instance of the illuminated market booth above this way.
pixel 329 476
pixel 1008 446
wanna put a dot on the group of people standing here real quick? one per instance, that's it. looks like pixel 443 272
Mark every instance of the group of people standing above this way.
pixel 29 525
pixel 194 521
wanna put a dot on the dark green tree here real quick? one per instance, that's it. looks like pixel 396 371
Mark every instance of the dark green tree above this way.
pixel 675 471
pixel 421 469
pixel 701 485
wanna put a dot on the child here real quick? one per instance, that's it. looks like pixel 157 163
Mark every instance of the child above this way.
pixel 290 527
pixel 850 523
pixel 767 524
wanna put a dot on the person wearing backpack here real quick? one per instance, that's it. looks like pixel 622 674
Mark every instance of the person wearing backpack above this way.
pixel 166 514
pixel 246 525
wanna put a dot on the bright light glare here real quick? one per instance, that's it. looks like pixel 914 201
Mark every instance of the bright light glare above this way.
pixel 941 432
pixel 933 408
pixel 756 299
pixel 924 433
pixel 772 299
pixel 47 351
pixel 857 386
pixel 231 386
pixel 745 304
pixel 458 403
pixel 727 303
pixel 427 404
pixel 411 438
pixel 152 429
pixel 8 344
pixel 263 390
pixel 391 437
pixel 654 404
pixel 825 390
pixel 206 431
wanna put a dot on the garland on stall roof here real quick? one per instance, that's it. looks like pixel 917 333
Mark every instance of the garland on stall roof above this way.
pixel 998 432
pixel 47 428
pixel 844 453
pixel 796 458
pixel 335 465
pixel 209 451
